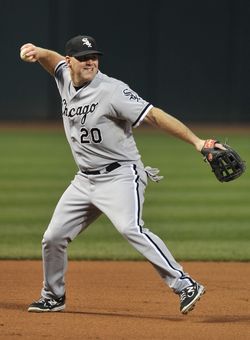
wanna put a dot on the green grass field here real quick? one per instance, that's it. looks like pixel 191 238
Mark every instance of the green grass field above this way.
pixel 198 217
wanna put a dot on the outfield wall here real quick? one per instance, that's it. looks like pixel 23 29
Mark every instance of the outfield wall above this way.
pixel 189 57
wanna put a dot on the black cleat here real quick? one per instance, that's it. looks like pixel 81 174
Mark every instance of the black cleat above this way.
pixel 48 305
pixel 189 296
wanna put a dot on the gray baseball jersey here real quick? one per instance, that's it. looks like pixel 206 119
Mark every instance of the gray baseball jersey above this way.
pixel 98 119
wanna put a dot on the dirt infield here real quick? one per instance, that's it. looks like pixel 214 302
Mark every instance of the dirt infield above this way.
pixel 125 300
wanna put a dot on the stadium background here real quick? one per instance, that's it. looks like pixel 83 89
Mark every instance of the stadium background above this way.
pixel 189 57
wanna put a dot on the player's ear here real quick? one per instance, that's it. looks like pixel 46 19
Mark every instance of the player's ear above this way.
pixel 67 59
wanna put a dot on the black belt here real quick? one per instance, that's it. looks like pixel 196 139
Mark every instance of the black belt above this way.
pixel 109 168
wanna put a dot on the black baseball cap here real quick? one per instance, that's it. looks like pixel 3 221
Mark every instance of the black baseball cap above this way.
pixel 81 45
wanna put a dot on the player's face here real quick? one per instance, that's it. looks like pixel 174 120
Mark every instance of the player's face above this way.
pixel 83 69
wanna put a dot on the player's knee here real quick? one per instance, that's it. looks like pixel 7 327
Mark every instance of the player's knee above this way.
pixel 126 231
pixel 53 239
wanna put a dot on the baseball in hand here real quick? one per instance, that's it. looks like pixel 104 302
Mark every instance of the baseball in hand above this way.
pixel 25 57
pixel 23 53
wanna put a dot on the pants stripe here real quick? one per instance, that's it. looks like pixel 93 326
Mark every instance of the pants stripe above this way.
pixel 141 228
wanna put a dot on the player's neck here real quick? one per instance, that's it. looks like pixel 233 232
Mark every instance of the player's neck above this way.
pixel 78 87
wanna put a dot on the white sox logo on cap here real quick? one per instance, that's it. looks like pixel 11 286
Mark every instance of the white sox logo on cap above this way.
pixel 81 45
pixel 86 42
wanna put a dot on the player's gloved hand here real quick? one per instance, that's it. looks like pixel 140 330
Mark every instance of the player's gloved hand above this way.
pixel 225 162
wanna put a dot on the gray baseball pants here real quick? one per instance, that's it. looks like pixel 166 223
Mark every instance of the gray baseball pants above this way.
pixel 119 195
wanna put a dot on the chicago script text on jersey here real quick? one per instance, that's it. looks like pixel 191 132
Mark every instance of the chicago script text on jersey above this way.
pixel 78 111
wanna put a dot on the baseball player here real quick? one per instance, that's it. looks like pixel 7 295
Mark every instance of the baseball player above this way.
pixel 99 113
